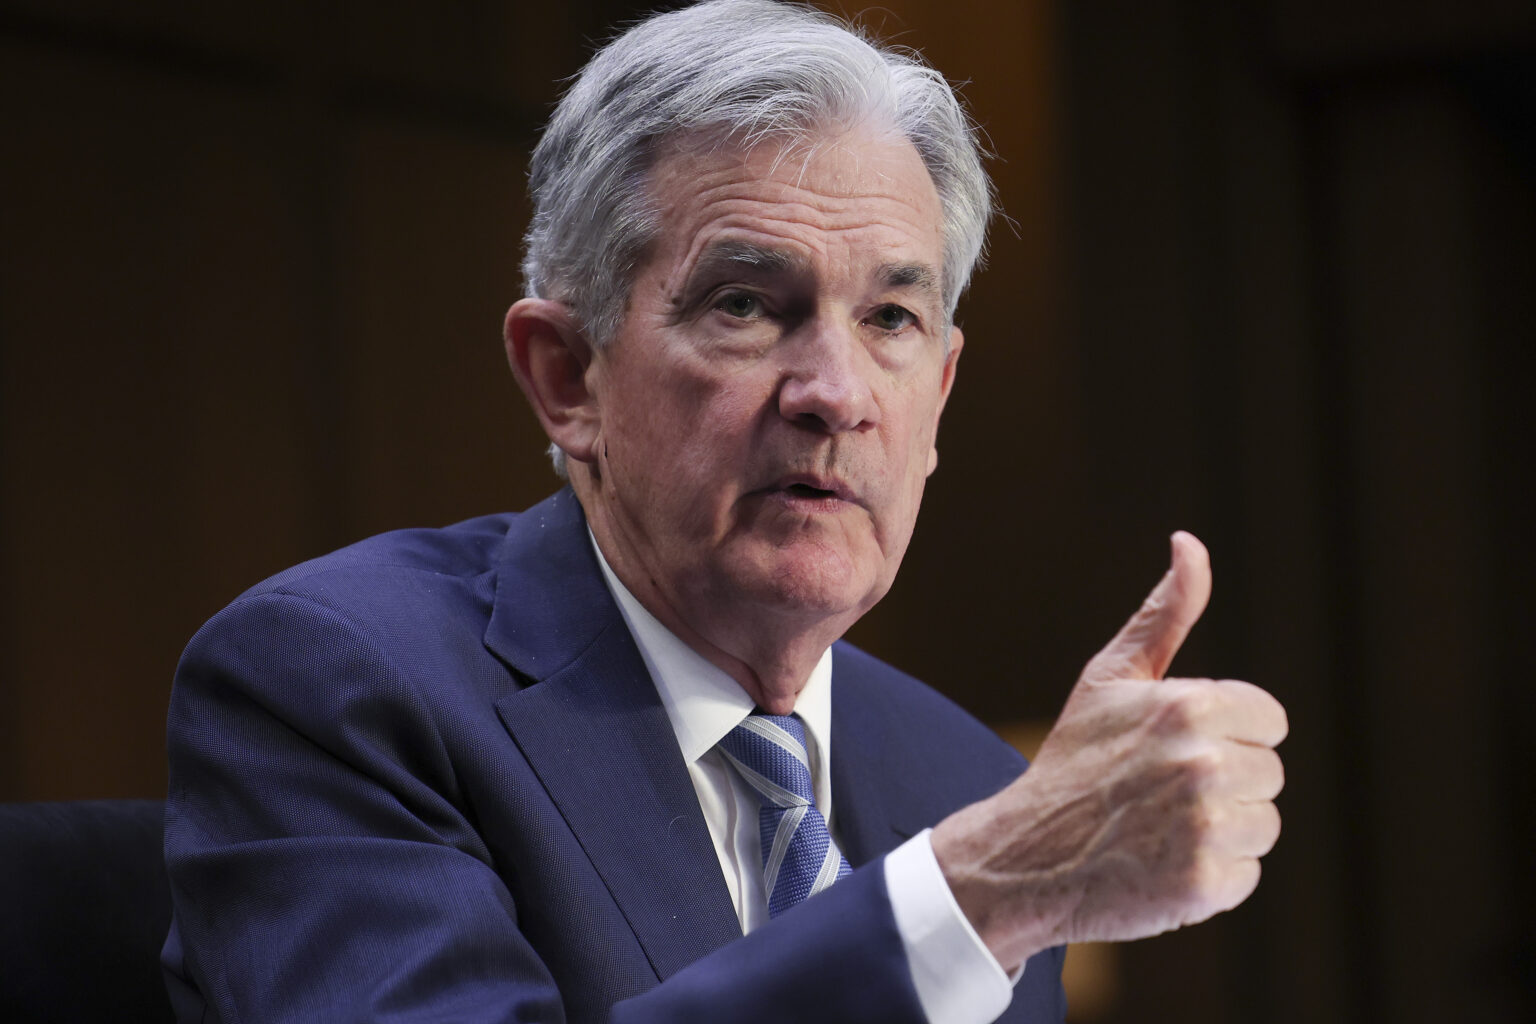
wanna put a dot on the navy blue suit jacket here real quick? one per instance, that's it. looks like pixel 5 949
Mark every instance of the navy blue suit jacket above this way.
pixel 428 777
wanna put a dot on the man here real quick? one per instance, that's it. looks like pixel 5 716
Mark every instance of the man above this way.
pixel 607 759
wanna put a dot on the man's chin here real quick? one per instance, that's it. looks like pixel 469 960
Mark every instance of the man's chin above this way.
pixel 808 580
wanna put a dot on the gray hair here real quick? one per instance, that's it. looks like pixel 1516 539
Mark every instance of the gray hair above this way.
pixel 753 70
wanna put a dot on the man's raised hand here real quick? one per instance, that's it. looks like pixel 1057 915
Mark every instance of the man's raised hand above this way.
pixel 1148 806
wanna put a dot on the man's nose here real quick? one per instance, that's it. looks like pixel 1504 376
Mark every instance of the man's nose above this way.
pixel 827 384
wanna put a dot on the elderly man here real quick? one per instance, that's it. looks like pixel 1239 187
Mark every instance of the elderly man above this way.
pixel 607 758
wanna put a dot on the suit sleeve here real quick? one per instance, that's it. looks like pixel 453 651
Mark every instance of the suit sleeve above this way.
pixel 323 865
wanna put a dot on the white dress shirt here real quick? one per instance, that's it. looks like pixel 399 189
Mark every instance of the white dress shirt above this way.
pixel 957 979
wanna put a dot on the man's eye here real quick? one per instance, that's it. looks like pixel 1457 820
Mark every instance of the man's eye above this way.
pixel 892 318
pixel 742 305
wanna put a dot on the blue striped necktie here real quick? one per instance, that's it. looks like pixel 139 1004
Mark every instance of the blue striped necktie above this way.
pixel 799 857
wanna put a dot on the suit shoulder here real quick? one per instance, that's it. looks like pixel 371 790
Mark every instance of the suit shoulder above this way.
pixel 465 549
pixel 410 594
pixel 393 621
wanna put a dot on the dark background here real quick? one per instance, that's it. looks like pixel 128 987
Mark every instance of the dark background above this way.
pixel 1269 278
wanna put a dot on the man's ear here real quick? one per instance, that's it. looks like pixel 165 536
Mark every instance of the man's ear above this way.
pixel 550 357
pixel 946 382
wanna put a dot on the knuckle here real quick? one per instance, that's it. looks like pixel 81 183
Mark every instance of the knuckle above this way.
pixel 1182 707
pixel 1196 825
pixel 1205 879
pixel 1201 769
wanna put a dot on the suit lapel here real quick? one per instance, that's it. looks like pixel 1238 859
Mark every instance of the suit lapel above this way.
pixel 594 730
pixel 873 798
pixel 864 829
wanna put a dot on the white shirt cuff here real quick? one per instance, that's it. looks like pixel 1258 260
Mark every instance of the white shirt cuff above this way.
pixel 958 980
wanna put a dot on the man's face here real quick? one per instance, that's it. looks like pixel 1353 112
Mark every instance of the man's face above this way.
pixel 769 405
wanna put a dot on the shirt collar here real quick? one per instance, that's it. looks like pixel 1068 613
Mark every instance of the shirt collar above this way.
pixel 703 703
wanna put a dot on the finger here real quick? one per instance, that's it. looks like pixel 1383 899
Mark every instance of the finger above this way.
pixel 1257 773
pixel 1232 882
pixel 1246 829
pixel 1237 771
pixel 1249 714
pixel 1228 709
pixel 1145 645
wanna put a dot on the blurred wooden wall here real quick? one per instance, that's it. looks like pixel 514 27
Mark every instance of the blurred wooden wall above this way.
pixel 1269 278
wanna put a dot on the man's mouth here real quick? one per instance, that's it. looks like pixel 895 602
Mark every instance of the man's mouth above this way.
pixel 813 487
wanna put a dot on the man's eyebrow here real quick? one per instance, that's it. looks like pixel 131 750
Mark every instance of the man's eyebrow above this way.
pixel 731 258
pixel 727 260
pixel 738 256
pixel 909 275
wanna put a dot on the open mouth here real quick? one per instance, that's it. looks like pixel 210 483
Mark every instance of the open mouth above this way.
pixel 807 491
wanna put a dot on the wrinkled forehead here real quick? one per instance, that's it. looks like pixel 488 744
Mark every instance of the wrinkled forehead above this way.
pixel 826 177
pixel 782 155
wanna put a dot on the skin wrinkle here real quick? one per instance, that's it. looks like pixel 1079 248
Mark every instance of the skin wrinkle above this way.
pixel 728 258
pixel 1098 850
pixel 795 281
pixel 805 385
pixel 793 200
pixel 1097 847
pixel 748 219
pixel 811 145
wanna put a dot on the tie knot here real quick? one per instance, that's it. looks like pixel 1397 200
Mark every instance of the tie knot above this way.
pixel 769 752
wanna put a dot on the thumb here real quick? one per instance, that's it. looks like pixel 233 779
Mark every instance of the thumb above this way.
pixel 1146 644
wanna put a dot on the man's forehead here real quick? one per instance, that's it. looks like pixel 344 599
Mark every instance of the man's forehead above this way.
pixel 856 154
pixel 762 208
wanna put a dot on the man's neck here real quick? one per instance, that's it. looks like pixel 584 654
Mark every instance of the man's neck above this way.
pixel 768 657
